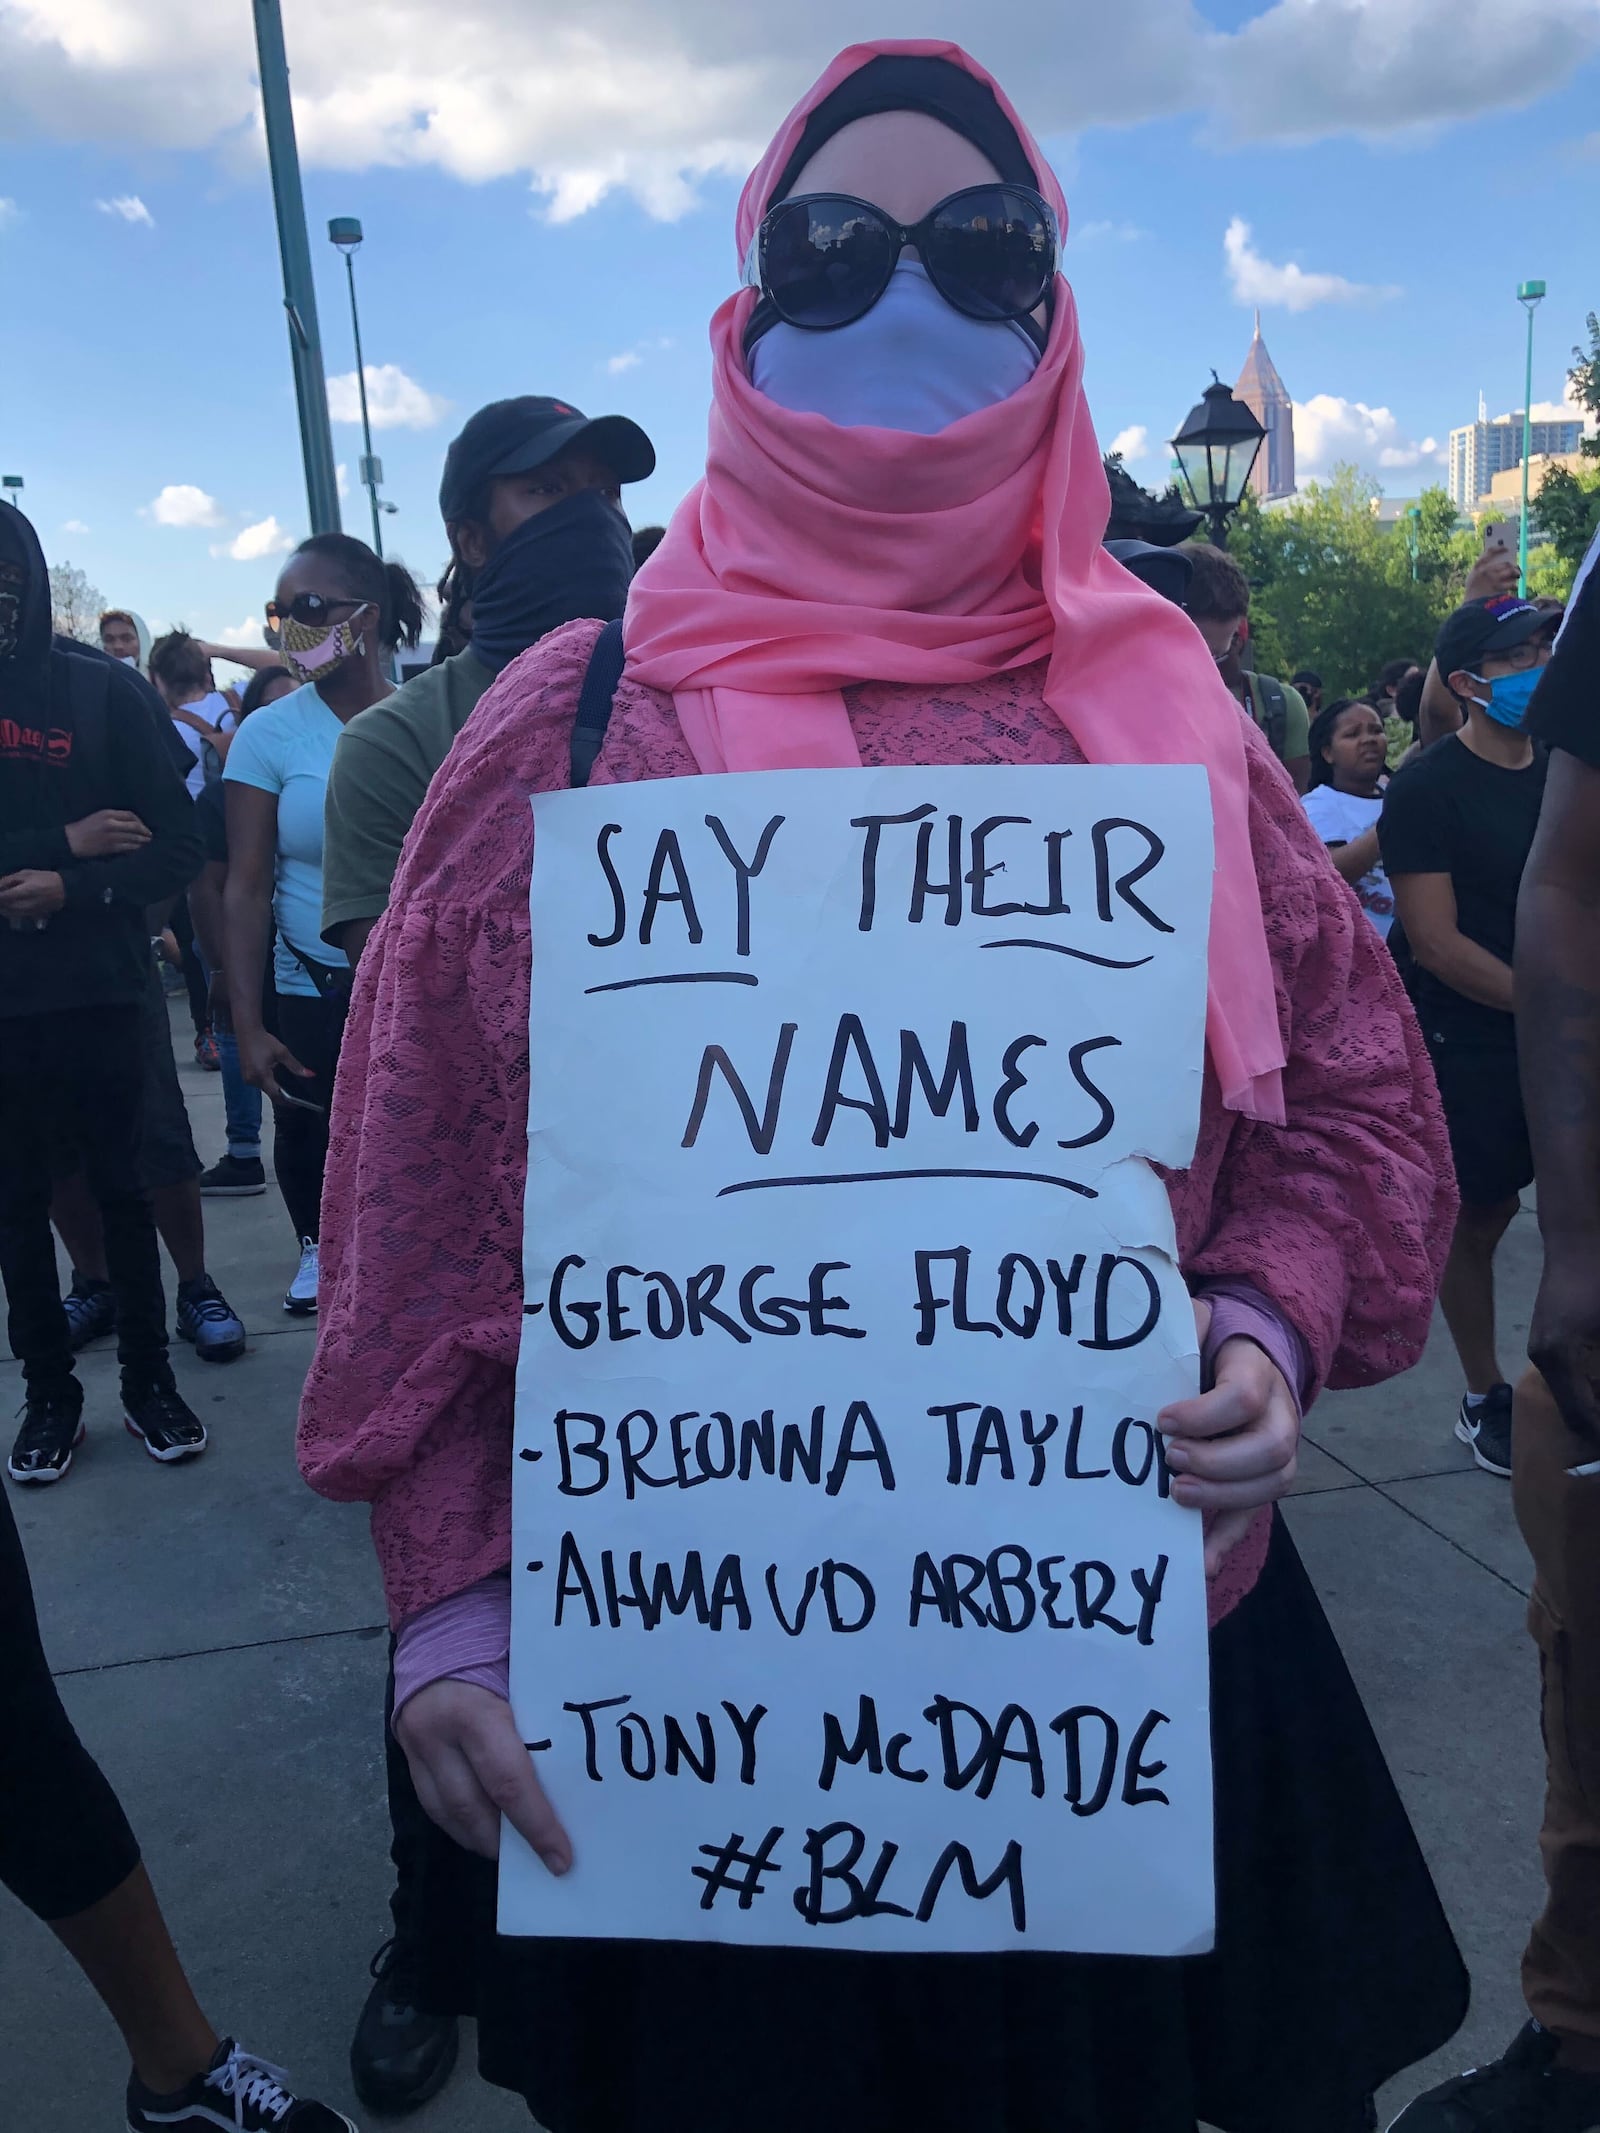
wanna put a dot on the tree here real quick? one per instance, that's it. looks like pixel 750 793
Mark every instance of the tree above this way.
pixel 1569 510
pixel 1336 590
pixel 75 604
pixel 1584 378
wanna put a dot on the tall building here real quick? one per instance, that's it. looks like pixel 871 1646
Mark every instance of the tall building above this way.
pixel 1480 450
pixel 1267 397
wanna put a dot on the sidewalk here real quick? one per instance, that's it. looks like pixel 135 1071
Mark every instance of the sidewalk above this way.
pixel 218 1631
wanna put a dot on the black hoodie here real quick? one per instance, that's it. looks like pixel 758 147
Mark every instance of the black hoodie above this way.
pixel 76 736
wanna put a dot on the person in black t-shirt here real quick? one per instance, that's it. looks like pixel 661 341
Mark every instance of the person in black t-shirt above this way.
pixel 1455 832
pixel 1550 2076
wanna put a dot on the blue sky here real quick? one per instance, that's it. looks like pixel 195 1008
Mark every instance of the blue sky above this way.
pixel 550 211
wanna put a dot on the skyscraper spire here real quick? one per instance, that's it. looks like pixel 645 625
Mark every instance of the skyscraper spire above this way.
pixel 1267 397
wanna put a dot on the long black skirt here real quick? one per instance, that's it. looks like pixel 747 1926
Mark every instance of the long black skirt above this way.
pixel 1334 1968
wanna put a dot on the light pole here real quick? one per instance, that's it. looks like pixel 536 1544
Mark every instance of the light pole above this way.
pixel 1530 294
pixel 299 292
pixel 344 231
pixel 1216 449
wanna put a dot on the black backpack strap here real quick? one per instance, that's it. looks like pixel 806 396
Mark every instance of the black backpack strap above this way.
pixel 594 702
pixel 1276 723
pixel 88 697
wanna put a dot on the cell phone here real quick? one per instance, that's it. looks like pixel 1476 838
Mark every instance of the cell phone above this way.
pixel 283 1094
pixel 1499 537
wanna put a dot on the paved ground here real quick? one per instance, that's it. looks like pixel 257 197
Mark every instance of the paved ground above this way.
pixel 217 1633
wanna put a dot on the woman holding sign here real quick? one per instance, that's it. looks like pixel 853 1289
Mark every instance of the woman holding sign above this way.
pixel 895 559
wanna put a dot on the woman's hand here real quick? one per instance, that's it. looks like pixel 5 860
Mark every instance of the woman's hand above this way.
pixel 1234 1448
pixel 470 1768
pixel 260 1056
pixel 106 834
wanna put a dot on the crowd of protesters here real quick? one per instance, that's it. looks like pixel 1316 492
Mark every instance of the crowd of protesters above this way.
pixel 320 853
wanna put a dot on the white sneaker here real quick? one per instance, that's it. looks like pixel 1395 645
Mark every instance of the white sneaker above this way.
pixel 301 1296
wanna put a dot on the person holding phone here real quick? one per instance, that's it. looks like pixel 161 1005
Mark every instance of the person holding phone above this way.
pixel 339 608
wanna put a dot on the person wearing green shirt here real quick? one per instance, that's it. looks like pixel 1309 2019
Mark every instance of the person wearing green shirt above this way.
pixel 532 503
pixel 1219 607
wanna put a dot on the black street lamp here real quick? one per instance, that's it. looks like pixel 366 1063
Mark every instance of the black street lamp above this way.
pixel 1216 449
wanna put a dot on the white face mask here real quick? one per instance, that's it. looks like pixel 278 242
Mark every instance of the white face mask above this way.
pixel 913 363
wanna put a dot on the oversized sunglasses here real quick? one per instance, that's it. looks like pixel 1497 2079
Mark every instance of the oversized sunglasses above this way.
pixel 308 608
pixel 824 259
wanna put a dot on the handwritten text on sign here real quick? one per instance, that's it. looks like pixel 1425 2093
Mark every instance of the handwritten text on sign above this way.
pixel 851 1608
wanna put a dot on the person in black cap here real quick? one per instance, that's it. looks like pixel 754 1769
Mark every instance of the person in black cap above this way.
pixel 532 502
pixel 1455 832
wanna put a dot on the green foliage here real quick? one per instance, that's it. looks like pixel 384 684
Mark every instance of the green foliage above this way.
pixel 1334 590
pixel 1584 378
pixel 1568 510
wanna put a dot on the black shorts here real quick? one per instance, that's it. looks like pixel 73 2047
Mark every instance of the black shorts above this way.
pixel 166 1146
pixel 1482 1097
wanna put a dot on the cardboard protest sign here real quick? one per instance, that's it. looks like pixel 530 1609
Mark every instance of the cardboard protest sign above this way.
pixel 851 1608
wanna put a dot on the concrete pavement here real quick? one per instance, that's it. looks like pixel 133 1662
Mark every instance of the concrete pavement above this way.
pixel 218 1635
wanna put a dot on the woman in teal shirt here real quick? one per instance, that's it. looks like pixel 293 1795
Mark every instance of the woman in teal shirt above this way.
pixel 339 609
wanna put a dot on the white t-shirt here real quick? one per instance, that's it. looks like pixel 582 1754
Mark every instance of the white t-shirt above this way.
pixel 1340 818
pixel 216 711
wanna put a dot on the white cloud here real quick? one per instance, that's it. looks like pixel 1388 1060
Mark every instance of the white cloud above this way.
pixel 180 503
pixel 651 96
pixel 266 537
pixel 1255 280
pixel 130 208
pixel 1132 443
pixel 1330 431
pixel 341 480
pixel 631 358
pixel 1107 233
pixel 73 525
pixel 1308 69
pixel 246 634
pixel 394 401
pixel 9 212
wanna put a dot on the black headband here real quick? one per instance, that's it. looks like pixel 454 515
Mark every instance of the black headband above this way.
pixel 895 82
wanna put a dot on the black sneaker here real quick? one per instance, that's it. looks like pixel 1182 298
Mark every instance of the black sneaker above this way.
pixel 52 1429
pixel 234 1177
pixel 1525 2092
pixel 1486 1425
pixel 399 2056
pixel 169 1428
pixel 206 1317
pixel 239 2091
pixel 91 1311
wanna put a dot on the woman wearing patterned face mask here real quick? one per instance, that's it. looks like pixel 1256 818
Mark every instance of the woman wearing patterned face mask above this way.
pixel 338 609
pixel 895 558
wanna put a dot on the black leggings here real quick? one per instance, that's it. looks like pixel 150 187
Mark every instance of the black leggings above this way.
pixel 64 1840
pixel 311 1028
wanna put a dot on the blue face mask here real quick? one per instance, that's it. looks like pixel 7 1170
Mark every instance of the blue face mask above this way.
pixel 1509 696
pixel 912 363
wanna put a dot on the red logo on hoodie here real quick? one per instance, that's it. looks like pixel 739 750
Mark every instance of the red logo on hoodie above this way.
pixel 22 742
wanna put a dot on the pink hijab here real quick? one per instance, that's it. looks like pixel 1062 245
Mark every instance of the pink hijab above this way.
pixel 811 557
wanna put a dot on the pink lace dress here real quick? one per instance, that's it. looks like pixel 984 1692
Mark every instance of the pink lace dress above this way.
pixel 1334 1965
pixel 1341 1217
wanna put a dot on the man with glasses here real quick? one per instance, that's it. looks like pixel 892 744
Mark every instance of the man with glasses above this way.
pixel 1455 834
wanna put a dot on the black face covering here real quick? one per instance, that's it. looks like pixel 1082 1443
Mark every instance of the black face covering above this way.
pixel 569 563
